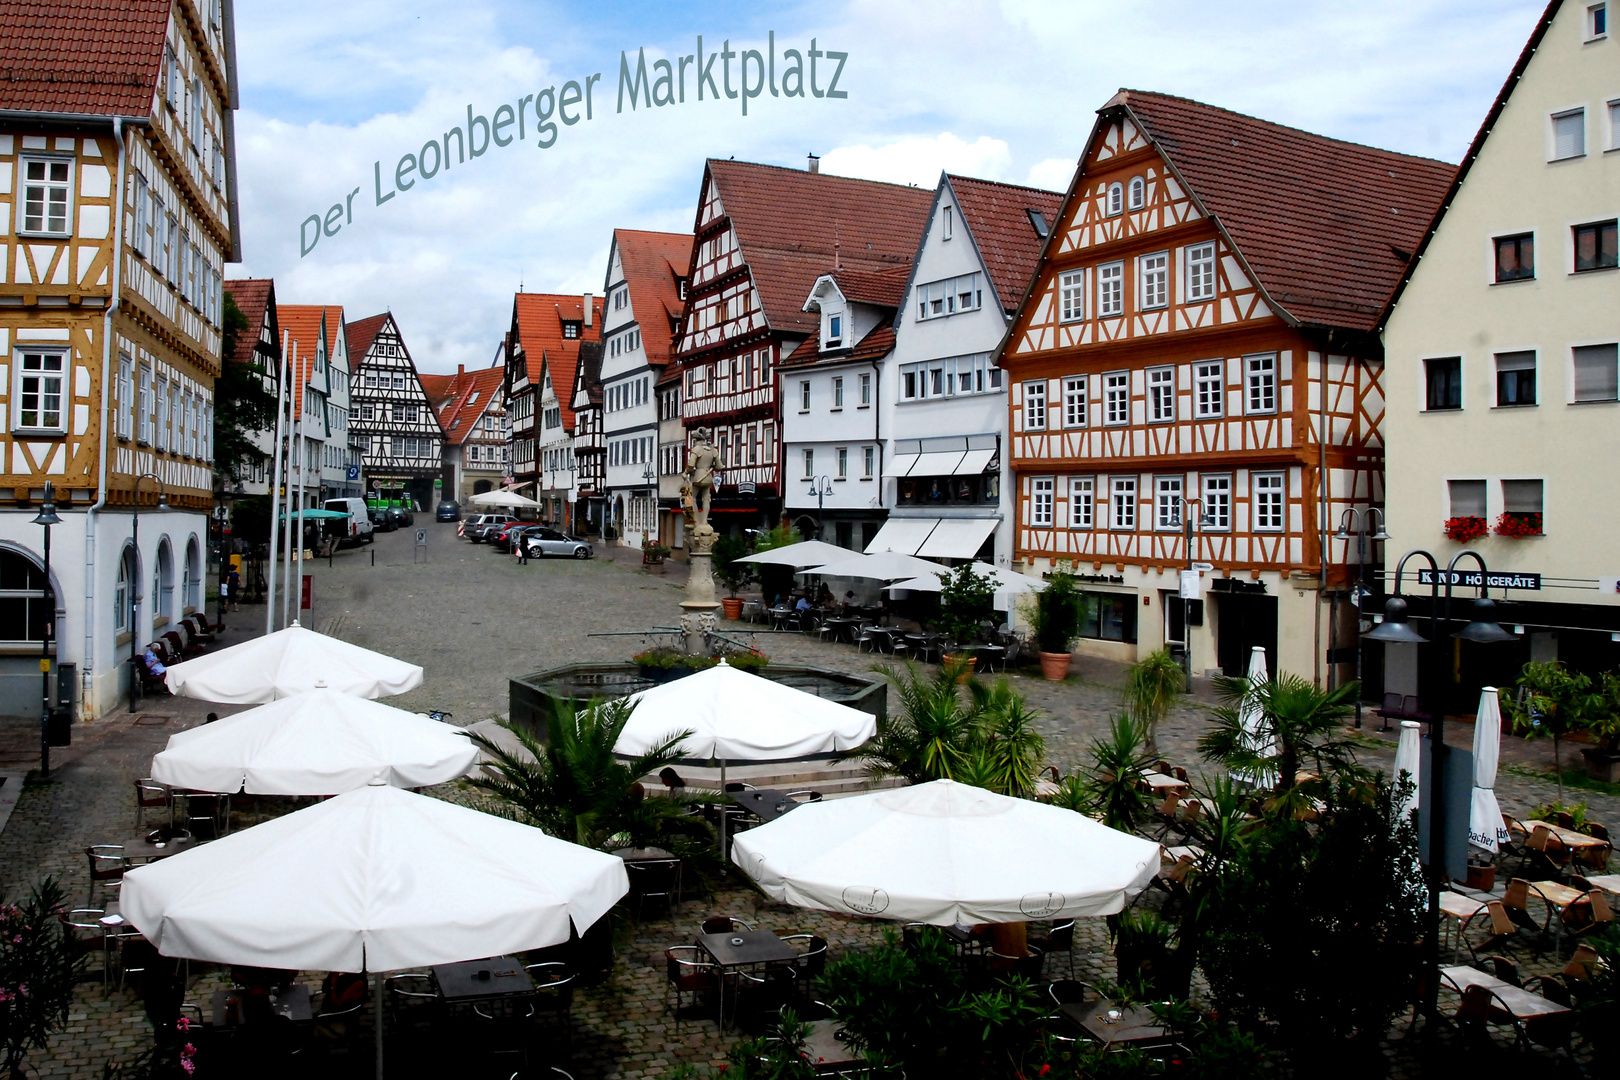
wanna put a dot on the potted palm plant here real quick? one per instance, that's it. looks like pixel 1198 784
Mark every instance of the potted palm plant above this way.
pixel 1054 618
pixel 965 602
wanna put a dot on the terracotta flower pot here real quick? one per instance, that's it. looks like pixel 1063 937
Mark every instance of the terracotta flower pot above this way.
pixel 732 606
pixel 1055 665
pixel 963 662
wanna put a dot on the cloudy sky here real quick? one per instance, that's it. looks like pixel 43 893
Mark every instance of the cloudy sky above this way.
pixel 1002 90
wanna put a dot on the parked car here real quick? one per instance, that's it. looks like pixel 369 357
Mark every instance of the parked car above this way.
pixel 448 511
pixel 381 520
pixel 474 529
pixel 545 541
pixel 357 529
pixel 401 516
pixel 501 538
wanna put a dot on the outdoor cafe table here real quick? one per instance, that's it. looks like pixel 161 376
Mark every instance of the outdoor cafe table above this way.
pixel 1560 896
pixel 1570 837
pixel 1135 1024
pixel 1520 1002
pixel 1161 784
pixel 1607 882
pixel 735 949
pixel 828 1053
pixel 643 854
pixel 843 626
pixel 291 1003
pixel 138 849
pixel 479 980
pixel 1462 909
pixel 767 804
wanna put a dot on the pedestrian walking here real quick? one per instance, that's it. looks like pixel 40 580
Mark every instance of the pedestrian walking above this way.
pixel 521 542
pixel 233 586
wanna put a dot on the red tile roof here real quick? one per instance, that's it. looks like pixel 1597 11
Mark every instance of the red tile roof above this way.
pixel 469 394
pixel 652 262
pixel 99 57
pixel 252 296
pixel 997 217
pixel 361 334
pixel 302 324
pixel 1320 221
pixel 438 388
pixel 793 226
pixel 883 288
pixel 540 318
pixel 875 345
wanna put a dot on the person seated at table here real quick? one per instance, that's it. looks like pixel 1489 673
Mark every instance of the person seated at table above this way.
pixel 824 598
pixel 803 605
pixel 849 599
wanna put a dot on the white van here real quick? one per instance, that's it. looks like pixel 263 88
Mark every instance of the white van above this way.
pixel 358 527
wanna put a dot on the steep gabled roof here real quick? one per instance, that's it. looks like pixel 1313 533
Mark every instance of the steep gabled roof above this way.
pixel 361 334
pixel 253 297
pixel 1474 150
pixel 652 263
pixel 588 373
pixel 793 226
pixel 335 326
pixel 469 393
pixel 540 318
pixel 880 288
pixel 1327 226
pixel 997 217
pixel 303 324
pixel 440 389
pixel 85 57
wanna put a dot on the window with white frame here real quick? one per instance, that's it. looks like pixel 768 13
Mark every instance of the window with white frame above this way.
pixel 949 296
pixel 1597 21
pixel 838 392
pixel 1040 502
pixel 1269 502
pixel 1167 497
pixel 1161 391
pixel 1155 272
pixel 1035 405
pixel 141 221
pixel 1111 289
pixel 1569 134
pixel 843 463
pixel 1117 398
pixel 868 461
pixel 1595 372
pixel 144 411
pixel 1116 199
pixel 804 395
pixel 160 433
pixel 126 393
pixel 172 251
pixel 809 463
pixel 1217 506
pixel 47 196
pixel 1082 501
pixel 1074 401
pixel 37 392
pixel 1208 388
pixel 1072 295
pixel 1122 503
pixel 1261 380
pixel 1138 193
pixel 1201 271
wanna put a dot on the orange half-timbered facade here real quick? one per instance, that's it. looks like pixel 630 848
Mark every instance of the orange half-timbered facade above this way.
pixel 1197 345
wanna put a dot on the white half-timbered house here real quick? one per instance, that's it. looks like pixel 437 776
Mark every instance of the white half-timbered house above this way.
pixel 590 454
pixel 118 195
pixel 1199 338
pixel 472 412
pixel 542 344
pixel 259 345
pixel 396 427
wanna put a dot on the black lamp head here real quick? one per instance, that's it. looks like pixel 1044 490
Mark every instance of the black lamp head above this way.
pixel 47 509
pixel 1395 628
pixel 1482 625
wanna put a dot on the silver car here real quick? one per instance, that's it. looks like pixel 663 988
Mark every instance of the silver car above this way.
pixel 543 542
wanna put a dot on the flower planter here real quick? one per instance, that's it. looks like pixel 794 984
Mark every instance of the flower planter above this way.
pixel 732 606
pixel 1055 666
pixel 965 662
pixel 1602 765
pixel 1481 877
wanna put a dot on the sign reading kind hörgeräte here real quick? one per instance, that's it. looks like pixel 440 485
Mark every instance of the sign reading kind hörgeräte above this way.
pixel 1493 579
pixel 696 76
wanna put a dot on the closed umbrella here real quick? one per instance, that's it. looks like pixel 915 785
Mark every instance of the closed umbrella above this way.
pixel 1485 827
pixel 1252 717
pixel 1408 757
pixel 288 662
pixel 319 743
pixel 946 853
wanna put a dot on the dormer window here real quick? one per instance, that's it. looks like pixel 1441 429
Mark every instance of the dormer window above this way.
pixel 1037 220
pixel 680 288
pixel 835 331
pixel 1138 193
pixel 570 330
pixel 1116 199
pixel 948 222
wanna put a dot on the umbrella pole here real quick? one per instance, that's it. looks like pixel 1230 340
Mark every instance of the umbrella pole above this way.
pixel 723 814
pixel 377 1016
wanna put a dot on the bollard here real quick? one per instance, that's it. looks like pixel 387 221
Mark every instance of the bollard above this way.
pixel 373 556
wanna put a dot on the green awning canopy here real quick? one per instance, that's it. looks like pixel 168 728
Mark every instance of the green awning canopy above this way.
pixel 313 514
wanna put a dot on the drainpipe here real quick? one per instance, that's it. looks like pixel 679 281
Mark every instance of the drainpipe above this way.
pixel 87 675
pixel 1323 493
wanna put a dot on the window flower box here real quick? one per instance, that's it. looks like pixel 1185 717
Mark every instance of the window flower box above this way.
pixel 1464 529
pixel 1518 525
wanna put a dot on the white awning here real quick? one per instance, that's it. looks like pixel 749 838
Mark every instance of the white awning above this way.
pixel 973 462
pixel 937 464
pixel 957 538
pixel 900 465
pixel 904 535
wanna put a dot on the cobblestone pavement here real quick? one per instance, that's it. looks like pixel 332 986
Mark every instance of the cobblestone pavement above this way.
pixel 472 618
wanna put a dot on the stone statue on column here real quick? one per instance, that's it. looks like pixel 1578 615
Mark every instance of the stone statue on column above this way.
pixel 697 493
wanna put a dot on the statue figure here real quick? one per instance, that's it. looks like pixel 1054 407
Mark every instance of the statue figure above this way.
pixel 699 482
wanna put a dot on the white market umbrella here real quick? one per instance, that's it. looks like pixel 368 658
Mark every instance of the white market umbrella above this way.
pixel 288 662
pixel 501 498
pixel 1485 827
pixel 1252 718
pixel 945 853
pixel 804 553
pixel 319 743
pixel 1408 760
pixel 373 880
pixel 883 566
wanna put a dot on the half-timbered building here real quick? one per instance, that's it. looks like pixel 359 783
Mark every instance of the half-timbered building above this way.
pixel 472 411
pixel 644 290
pixel 257 346
pixel 395 426
pixel 542 347
pixel 590 453
pixel 1198 345
pixel 117 186
pixel 762 237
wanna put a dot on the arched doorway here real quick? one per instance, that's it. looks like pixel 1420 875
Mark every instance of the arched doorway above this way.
pixel 123 596
pixel 191 592
pixel 806 525
pixel 163 582
pixel 481 486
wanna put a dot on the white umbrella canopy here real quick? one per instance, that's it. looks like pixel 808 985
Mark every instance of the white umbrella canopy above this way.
pixel 884 566
pixel 375 880
pixel 945 853
pixel 736 717
pixel 1485 827
pixel 1252 717
pixel 1006 581
pixel 319 743
pixel 288 662
pixel 804 553
pixel 1408 760
pixel 501 498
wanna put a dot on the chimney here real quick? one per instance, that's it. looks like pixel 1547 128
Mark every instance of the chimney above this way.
pixel 588 304
pixel 814 164
pixel 461 371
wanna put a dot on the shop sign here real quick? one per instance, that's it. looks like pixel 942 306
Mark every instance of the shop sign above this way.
pixel 1472 579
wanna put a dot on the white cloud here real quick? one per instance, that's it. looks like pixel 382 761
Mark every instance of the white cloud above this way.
pixel 1053 174
pixel 919 160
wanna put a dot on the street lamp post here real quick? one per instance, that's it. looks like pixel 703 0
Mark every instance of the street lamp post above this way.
pixel 1369 526
pixel 650 476
pixel 820 487
pixel 135 584
pixel 46 518
pixel 1483 628
pixel 1186 604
